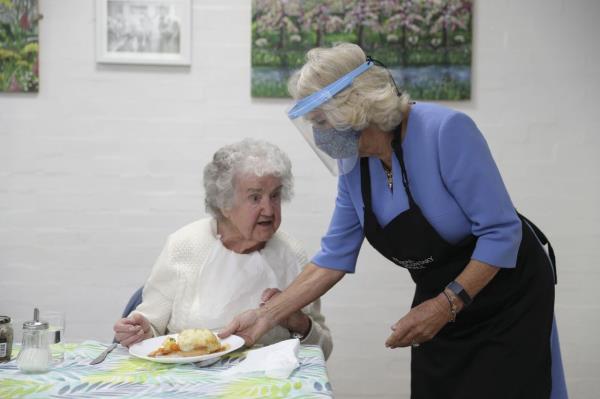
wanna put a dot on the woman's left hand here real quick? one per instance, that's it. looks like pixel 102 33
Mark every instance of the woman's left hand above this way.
pixel 421 324
pixel 298 322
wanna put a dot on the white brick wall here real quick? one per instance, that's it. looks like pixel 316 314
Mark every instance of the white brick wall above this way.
pixel 106 160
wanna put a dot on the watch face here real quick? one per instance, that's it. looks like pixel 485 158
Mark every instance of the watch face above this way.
pixel 459 291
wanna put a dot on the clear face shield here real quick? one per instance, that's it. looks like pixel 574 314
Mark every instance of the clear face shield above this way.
pixel 338 149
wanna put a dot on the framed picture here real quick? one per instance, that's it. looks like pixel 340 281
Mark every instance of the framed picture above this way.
pixel 155 32
pixel 426 44
pixel 19 46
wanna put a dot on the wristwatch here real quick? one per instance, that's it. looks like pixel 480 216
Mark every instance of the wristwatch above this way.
pixel 295 334
pixel 460 292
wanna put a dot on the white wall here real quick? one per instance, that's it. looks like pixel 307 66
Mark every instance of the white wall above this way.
pixel 106 160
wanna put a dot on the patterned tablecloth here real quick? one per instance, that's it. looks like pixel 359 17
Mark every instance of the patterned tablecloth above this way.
pixel 123 376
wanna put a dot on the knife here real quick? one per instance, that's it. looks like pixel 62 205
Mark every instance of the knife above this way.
pixel 102 356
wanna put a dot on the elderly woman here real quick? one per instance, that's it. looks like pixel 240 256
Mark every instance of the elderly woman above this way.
pixel 419 183
pixel 214 268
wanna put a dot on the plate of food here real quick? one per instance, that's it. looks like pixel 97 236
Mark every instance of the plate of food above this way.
pixel 189 346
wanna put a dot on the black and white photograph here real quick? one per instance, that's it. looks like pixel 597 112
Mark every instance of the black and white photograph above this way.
pixel 143 32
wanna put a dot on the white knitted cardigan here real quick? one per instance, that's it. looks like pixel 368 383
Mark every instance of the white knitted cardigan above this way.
pixel 170 296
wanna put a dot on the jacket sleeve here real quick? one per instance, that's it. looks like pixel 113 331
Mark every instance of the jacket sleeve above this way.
pixel 159 293
pixel 472 177
pixel 341 245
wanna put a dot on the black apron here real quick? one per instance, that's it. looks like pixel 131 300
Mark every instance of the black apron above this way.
pixel 499 346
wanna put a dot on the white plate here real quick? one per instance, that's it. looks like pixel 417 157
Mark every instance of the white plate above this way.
pixel 141 350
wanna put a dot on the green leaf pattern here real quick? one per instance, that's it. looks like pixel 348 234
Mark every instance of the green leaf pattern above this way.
pixel 11 388
pixel 123 376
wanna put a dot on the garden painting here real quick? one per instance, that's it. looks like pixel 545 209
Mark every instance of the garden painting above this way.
pixel 426 44
pixel 19 46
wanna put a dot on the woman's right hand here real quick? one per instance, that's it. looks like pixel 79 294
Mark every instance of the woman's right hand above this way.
pixel 132 329
pixel 250 325
pixel 310 284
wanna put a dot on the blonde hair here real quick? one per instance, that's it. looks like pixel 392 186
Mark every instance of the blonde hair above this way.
pixel 370 99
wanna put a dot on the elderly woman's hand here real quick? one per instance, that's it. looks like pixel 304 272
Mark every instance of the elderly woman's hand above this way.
pixel 297 322
pixel 132 329
pixel 421 324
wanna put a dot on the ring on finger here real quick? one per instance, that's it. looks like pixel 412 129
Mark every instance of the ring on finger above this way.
pixel 415 344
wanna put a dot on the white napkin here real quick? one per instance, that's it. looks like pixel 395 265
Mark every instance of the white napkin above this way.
pixel 277 360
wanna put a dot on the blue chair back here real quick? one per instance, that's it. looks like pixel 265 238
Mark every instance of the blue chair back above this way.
pixel 134 301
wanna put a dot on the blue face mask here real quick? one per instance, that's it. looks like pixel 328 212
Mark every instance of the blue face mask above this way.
pixel 338 144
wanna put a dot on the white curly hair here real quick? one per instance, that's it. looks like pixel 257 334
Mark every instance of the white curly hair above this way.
pixel 249 156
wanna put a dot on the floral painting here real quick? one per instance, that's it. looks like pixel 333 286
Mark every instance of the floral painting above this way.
pixel 426 44
pixel 19 46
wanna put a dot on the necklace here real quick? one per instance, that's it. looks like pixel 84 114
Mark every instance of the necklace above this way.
pixel 389 176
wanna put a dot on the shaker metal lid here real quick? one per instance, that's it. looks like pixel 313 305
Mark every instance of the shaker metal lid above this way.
pixel 35 325
pixel 4 319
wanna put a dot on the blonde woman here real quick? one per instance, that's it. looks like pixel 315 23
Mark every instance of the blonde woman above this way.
pixel 418 181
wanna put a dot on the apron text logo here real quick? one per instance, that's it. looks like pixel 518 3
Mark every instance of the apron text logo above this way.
pixel 413 264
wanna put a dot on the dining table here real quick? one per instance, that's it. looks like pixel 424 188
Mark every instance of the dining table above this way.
pixel 121 375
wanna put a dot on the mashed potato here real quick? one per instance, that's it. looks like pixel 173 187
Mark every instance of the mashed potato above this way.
pixel 198 338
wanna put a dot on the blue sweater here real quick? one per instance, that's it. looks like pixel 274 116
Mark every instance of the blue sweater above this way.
pixel 453 179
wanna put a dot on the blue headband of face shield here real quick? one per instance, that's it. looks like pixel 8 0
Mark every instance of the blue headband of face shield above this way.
pixel 309 103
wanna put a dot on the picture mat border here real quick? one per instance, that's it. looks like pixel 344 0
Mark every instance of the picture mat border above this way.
pixel 103 56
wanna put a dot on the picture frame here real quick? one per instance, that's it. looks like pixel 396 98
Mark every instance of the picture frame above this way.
pixel 151 32
pixel 19 46
pixel 426 45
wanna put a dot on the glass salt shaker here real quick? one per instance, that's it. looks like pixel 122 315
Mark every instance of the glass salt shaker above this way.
pixel 35 354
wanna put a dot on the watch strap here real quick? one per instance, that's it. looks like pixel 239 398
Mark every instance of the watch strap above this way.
pixel 460 292
pixel 295 334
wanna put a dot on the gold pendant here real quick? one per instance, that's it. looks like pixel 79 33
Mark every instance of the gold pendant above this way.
pixel 390 179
